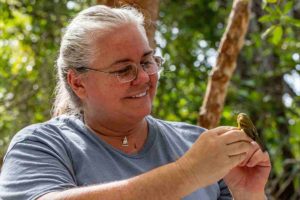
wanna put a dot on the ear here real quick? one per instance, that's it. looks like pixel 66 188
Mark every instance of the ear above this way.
pixel 76 83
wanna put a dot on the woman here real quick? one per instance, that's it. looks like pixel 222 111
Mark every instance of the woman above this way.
pixel 103 143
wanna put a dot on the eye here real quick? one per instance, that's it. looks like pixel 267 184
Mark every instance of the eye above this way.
pixel 147 63
pixel 123 71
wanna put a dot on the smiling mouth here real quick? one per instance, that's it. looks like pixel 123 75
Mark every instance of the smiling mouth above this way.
pixel 139 95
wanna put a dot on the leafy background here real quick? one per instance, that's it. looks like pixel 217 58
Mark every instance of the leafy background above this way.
pixel 266 83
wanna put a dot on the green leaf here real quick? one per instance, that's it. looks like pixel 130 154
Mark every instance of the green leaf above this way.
pixel 272 1
pixel 267 18
pixel 278 10
pixel 264 4
pixel 292 21
pixel 277 35
pixel 268 31
pixel 287 7
pixel 269 10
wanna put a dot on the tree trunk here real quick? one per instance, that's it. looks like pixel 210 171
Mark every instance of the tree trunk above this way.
pixel 149 8
pixel 231 44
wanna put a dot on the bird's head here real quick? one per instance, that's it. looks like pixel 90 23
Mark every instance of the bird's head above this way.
pixel 244 121
pixel 242 117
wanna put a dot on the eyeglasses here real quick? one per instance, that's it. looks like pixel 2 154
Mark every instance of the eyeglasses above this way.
pixel 129 71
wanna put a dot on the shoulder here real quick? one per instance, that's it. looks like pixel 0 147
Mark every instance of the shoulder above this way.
pixel 37 153
pixel 52 126
pixel 50 133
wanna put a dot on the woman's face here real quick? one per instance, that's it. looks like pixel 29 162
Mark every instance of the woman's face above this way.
pixel 105 97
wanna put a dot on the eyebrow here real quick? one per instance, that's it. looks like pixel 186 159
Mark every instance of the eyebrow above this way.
pixel 128 60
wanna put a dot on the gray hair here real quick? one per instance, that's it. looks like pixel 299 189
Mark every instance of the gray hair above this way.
pixel 75 48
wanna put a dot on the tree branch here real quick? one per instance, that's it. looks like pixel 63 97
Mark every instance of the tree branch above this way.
pixel 149 8
pixel 231 44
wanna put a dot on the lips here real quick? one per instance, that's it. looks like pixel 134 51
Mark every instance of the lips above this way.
pixel 139 95
pixel 142 92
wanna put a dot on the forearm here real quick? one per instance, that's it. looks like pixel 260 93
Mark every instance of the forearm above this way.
pixel 165 182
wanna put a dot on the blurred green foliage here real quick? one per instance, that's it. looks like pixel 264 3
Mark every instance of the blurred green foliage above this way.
pixel 266 84
pixel 30 33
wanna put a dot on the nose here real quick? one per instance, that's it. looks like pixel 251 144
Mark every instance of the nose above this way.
pixel 141 77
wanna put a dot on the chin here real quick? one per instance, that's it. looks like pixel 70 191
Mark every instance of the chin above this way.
pixel 141 114
pixel 145 113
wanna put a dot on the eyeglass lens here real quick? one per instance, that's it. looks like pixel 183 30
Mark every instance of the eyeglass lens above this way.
pixel 132 70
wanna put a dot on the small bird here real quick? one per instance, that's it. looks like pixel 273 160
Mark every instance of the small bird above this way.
pixel 245 124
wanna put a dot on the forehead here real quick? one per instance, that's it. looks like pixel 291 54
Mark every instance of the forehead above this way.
pixel 124 42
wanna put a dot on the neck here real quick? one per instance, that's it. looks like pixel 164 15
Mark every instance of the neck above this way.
pixel 129 138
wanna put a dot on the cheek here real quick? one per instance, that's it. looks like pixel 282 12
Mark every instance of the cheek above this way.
pixel 154 81
pixel 101 89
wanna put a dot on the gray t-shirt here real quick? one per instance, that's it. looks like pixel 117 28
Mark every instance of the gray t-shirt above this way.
pixel 62 153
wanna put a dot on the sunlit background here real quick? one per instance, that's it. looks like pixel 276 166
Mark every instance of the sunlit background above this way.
pixel 266 83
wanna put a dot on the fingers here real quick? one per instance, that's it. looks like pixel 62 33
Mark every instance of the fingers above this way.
pixel 237 159
pixel 255 156
pixel 259 158
pixel 254 148
pixel 238 148
pixel 235 135
pixel 222 129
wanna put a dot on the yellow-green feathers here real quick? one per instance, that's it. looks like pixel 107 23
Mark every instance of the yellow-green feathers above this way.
pixel 245 124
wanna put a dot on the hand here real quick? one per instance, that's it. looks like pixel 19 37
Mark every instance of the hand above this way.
pixel 213 155
pixel 251 175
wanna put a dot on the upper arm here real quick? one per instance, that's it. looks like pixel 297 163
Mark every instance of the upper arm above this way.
pixel 33 168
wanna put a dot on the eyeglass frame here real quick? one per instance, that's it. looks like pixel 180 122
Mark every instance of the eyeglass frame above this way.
pixel 158 60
